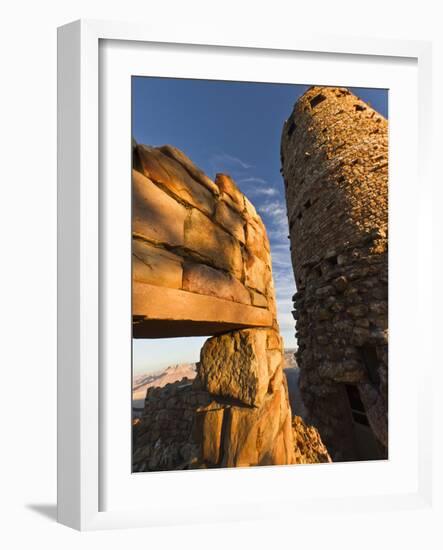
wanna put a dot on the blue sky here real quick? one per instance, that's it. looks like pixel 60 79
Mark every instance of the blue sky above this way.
pixel 231 127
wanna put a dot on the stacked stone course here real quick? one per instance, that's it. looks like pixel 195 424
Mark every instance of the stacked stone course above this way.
pixel 334 154
pixel 198 236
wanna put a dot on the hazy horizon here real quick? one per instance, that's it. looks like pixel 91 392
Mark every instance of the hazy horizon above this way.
pixel 161 353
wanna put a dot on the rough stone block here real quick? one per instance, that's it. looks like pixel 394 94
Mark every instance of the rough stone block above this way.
pixel 226 185
pixel 275 360
pixel 212 242
pixel 251 436
pixel 276 381
pixel 211 436
pixel 257 241
pixel 340 283
pixel 257 273
pixel 240 442
pixel 272 303
pixel 324 291
pixel 232 204
pixel 172 175
pixel 359 310
pixel 194 171
pixel 278 454
pixel 345 371
pixel 231 220
pixel 155 265
pixel 251 212
pixel 203 279
pixel 258 299
pixel 235 366
pixel 156 215
pixel 274 340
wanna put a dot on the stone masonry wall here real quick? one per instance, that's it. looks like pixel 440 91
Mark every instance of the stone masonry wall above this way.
pixel 334 154
pixel 200 237
pixel 185 427
pixel 202 265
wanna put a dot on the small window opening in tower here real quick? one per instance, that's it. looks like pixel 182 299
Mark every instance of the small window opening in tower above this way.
pixel 317 100
pixel 369 357
pixel 357 407
pixel 308 204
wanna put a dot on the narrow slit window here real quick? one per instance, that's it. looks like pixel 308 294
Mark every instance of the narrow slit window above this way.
pixel 369 357
pixel 357 408
pixel 317 100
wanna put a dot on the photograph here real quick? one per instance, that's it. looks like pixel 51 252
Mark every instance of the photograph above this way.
pixel 259 274
pixel 229 241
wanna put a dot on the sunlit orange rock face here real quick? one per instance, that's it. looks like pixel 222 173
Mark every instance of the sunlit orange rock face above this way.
pixel 334 154
pixel 201 241
pixel 202 266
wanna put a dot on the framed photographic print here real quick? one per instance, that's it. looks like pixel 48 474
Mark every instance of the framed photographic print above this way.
pixel 238 230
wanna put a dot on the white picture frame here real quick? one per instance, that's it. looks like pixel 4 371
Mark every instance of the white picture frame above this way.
pixel 83 439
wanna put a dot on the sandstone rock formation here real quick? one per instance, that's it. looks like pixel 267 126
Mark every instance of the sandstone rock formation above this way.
pixel 334 154
pixel 202 266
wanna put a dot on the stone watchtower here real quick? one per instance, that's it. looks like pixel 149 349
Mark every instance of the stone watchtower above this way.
pixel 334 155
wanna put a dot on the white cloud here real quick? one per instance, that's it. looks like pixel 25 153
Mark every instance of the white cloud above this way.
pixel 275 209
pixel 229 160
pixel 286 321
pixel 260 187
pixel 269 191
pixel 252 179
pixel 280 256
pixel 276 220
